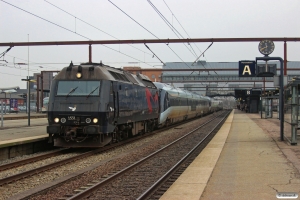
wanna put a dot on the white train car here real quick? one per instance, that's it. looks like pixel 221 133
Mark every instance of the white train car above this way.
pixel 178 105
pixel 216 105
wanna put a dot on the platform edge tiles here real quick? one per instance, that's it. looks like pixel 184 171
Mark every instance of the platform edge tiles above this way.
pixel 23 146
pixel 191 184
pixel 14 142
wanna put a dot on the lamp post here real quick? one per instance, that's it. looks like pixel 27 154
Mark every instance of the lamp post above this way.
pixel 28 97
pixel 1 113
pixel 5 103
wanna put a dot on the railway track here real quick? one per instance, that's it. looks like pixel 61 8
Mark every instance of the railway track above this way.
pixel 32 159
pixel 59 152
pixel 82 157
pixel 156 190
pixel 174 153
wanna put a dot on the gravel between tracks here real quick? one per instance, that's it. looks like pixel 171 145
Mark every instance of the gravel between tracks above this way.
pixel 104 163
pixel 35 165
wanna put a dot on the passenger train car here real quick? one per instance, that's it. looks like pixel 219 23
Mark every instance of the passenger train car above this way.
pixel 177 105
pixel 216 105
pixel 92 105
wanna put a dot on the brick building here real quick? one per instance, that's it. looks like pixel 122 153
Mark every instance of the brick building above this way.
pixel 154 74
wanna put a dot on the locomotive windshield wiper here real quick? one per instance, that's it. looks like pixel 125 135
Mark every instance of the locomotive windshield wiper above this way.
pixel 71 91
pixel 92 92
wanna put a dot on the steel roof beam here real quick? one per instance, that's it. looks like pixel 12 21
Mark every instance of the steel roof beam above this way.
pixel 143 41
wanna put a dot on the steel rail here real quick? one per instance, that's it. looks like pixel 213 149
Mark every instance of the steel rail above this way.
pixel 153 188
pixel 86 191
pixel 78 157
pixel 32 159
pixel 46 167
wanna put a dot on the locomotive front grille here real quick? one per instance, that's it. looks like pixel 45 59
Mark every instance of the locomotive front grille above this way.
pixel 79 131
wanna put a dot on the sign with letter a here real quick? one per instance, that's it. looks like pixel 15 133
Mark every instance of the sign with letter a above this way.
pixel 246 68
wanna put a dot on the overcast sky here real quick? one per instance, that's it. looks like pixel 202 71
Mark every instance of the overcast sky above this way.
pixel 101 20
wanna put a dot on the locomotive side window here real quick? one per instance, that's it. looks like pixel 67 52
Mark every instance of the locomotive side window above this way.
pixel 78 88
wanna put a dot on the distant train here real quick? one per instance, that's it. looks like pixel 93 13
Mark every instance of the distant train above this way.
pixel 92 105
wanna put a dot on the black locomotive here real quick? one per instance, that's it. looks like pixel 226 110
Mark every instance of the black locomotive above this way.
pixel 92 105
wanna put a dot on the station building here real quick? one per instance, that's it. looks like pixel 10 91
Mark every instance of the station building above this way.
pixel 221 79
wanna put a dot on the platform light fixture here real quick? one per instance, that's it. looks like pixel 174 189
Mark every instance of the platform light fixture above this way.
pixel 28 80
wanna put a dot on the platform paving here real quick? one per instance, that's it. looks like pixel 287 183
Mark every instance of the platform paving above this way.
pixel 252 164
pixel 22 115
pixel 15 132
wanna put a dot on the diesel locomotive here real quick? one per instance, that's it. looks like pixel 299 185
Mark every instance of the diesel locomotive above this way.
pixel 92 105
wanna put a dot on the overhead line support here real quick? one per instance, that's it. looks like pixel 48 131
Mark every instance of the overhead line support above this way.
pixel 166 41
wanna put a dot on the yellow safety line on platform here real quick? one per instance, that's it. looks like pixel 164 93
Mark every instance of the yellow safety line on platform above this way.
pixel 191 184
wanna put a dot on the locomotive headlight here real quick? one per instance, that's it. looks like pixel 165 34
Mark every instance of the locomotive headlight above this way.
pixel 56 120
pixel 88 120
pixel 63 120
pixel 78 75
pixel 95 120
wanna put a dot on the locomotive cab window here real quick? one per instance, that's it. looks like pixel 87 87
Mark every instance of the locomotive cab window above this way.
pixel 78 88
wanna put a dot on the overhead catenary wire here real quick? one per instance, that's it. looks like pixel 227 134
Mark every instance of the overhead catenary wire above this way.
pixel 170 25
pixel 181 25
pixel 11 74
pixel 3 53
pixel 155 55
pixel 71 31
pixel 77 18
pixel 202 53
pixel 45 19
pixel 173 28
pixel 9 66
pixel 33 63
pixel 148 32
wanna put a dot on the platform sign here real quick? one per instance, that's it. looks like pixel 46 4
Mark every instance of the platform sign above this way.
pixel 266 71
pixel 247 68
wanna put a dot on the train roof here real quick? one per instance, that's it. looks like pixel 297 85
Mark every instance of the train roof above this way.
pixel 178 92
pixel 92 71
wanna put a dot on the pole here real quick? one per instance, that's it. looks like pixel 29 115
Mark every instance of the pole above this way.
pixel 90 53
pixel 38 94
pixel 42 88
pixel 9 102
pixel 281 99
pixel 1 113
pixel 28 98
pixel 5 103
pixel 285 58
pixel 28 89
pixel 28 58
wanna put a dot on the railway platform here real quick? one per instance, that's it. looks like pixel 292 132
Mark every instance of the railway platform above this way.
pixel 14 116
pixel 245 160
pixel 17 138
